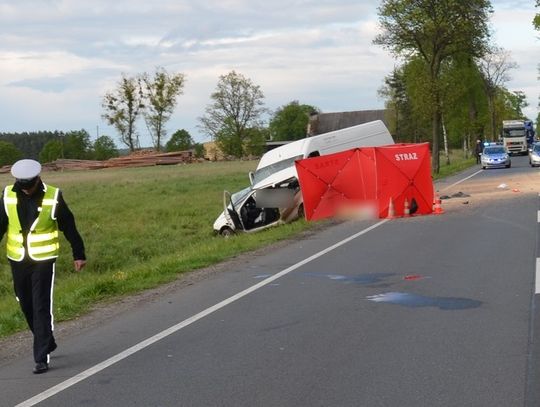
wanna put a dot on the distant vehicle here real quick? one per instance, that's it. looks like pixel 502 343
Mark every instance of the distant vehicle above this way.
pixel 529 132
pixel 515 136
pixel 534 155
pixel 495 156
pixel 274 196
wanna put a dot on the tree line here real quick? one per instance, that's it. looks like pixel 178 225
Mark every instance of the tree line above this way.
pixel 450 82
pixel 233 118
pixel 48 146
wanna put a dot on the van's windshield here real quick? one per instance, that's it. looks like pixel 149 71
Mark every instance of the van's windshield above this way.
pixel 237 197
pixel 265 172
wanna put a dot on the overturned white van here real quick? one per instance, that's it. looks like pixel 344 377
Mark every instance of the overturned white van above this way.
pixel 274 196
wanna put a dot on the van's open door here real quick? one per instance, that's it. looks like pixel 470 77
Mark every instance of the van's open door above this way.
pixel 230 212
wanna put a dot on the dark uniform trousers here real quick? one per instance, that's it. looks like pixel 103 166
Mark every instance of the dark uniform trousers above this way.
pixel 33 282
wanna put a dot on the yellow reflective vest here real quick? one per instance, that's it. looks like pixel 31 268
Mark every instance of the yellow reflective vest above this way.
pixel 42 241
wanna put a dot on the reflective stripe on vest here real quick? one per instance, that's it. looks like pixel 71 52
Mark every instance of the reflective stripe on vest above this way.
pixel 42 241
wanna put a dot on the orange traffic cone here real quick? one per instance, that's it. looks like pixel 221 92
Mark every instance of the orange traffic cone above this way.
pixel 437 209
pixel 391 212
pixel 406 209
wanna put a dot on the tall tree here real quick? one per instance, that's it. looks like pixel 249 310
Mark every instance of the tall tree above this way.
pixel 418 87
pixel 181 140
pixel 9 153
pixel 434 30
pixel 77 145
pixel 494 67
pixel 513 104
pixel 229 141
pixel 104 148
pixel 122 107
pixel 256 140
pixel 160 93
pixel 237 105
pixel 399 93
pixel 52 150
pixel 290 121
pixel 394 93
pixel 464 102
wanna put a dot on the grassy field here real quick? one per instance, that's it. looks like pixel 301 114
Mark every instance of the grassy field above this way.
pixel 457 163
pixel 142 227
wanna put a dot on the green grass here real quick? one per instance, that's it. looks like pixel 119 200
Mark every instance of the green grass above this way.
pixel 457 164
pixel 142 227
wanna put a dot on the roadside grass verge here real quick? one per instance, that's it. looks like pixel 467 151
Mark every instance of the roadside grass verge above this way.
pixel 457 164
pixel 142 227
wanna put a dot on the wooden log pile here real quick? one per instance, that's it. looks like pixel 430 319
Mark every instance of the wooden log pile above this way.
pixel 146 158
pixel 142 158
pixel 72 164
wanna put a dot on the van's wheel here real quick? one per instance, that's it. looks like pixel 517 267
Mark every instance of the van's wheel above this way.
pixel 226 232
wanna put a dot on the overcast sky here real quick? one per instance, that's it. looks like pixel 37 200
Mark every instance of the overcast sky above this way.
pixel 59 57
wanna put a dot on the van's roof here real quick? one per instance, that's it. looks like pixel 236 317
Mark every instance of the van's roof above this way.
pixel 299 147
pixel 277 165
pixel 289 150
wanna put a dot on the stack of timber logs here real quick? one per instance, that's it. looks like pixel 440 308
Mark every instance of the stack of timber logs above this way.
pixel 147 157
pixel 142 158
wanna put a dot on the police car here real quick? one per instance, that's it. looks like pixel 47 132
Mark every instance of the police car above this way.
pixel 534 155
pixel 495 156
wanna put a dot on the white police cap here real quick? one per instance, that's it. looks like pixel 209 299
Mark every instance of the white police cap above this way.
pixel 26 169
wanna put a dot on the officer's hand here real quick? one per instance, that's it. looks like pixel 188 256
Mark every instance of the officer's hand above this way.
pixel 79 264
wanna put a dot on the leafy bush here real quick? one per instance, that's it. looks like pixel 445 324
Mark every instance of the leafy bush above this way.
pixel 9 153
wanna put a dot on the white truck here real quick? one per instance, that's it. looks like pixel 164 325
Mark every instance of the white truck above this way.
pixel 274 195
pixel 515 136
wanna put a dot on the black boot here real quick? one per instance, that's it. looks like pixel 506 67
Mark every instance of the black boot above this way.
pixel 41 367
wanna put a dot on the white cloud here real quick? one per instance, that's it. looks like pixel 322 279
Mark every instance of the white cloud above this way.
pixel 58 57
pixel 32 65
pixel 513 31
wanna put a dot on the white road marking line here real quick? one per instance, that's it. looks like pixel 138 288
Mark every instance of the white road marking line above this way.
pixel 537 281
pixel 141 345
pixel 538 216
pixel 462 180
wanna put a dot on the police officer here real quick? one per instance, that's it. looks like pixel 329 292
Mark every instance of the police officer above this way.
pixel 33 214
pixel 478 149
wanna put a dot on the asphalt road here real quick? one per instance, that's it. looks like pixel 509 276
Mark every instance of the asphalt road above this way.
pixel 423 311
